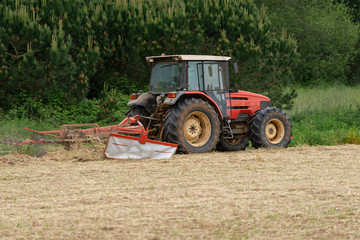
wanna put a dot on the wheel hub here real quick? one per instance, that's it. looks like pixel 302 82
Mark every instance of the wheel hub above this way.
pixel 270 131
pixel 275 131
pixel 197 129
pixel 192 129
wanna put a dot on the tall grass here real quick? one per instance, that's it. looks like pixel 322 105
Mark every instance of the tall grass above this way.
pixel 326 99
pixel 326 116
pixel 15 128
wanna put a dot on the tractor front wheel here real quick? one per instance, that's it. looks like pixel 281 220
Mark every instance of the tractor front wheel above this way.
pixel 270 127
pixel 193 124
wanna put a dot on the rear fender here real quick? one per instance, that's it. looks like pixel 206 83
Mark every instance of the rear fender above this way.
pixel 180 95
pixel 146 100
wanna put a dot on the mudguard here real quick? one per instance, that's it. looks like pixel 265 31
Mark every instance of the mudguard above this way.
pixel 146 100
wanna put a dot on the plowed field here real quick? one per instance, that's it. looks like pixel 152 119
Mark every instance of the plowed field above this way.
pixel 296 193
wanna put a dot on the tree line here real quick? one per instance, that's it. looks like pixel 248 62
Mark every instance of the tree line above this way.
pixel 55 50
pixel 328 37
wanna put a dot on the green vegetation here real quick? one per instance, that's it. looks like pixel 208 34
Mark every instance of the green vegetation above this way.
pixel 326 98
pixel 326 116
pixel 327 36
pixel 68 50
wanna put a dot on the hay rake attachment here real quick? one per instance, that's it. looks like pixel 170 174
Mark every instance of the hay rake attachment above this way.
pixel 127 140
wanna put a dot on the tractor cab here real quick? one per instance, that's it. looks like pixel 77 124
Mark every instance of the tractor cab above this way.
pixel 191 73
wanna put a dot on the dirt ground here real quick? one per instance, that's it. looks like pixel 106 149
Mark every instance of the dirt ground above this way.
pixel 296 193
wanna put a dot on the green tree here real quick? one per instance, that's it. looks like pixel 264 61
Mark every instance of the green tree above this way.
pixel 38 57
pixel 354 73
pixel 354 6
pixel 326 37
pixel 68 49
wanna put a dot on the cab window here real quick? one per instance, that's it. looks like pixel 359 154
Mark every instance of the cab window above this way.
pixel 195 75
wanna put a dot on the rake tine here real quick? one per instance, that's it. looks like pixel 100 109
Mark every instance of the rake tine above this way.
pixel 11 141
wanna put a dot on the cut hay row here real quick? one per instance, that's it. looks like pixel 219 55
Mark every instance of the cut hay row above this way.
pixel 296 193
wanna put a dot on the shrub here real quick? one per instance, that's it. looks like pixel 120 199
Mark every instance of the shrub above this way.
pixel 326 36
pixel 324 127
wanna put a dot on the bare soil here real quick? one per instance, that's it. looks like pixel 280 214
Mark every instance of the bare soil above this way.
pixel 296 193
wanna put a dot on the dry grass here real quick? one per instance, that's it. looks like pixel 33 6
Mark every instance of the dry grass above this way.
pixel 297 193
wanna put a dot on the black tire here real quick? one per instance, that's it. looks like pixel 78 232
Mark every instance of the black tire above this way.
pixel 139 110
pixel 270 127
pixel 239 143
pixel 193 124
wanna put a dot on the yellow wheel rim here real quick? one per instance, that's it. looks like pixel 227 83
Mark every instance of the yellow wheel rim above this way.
pixel 197 129
pixel 275 131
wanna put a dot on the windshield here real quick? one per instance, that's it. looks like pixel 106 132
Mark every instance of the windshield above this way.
pixel 165 77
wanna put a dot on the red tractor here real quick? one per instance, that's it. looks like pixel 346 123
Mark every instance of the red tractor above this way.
pixel 189 103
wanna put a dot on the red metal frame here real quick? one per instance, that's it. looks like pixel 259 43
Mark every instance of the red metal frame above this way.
pixel 124 127
pixel 71 132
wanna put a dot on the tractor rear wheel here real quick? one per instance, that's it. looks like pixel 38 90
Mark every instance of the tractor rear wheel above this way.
pixel 139 110
pixel 240 142
pixel 270 127
pixel 193 124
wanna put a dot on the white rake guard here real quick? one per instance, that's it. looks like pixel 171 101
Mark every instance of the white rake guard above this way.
pixel 129 147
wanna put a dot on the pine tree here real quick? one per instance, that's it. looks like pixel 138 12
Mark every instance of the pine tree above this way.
pixel 38 57
pixel 64 49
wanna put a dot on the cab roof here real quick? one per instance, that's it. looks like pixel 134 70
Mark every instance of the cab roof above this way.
pixel 187 58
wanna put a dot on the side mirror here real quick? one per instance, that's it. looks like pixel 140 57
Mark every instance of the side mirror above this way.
pixel 236 67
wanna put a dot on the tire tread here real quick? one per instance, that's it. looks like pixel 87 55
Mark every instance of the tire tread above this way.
pixel 171 123
pixel 256 135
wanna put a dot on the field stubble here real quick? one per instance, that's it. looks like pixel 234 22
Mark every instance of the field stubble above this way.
pixel 304 192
